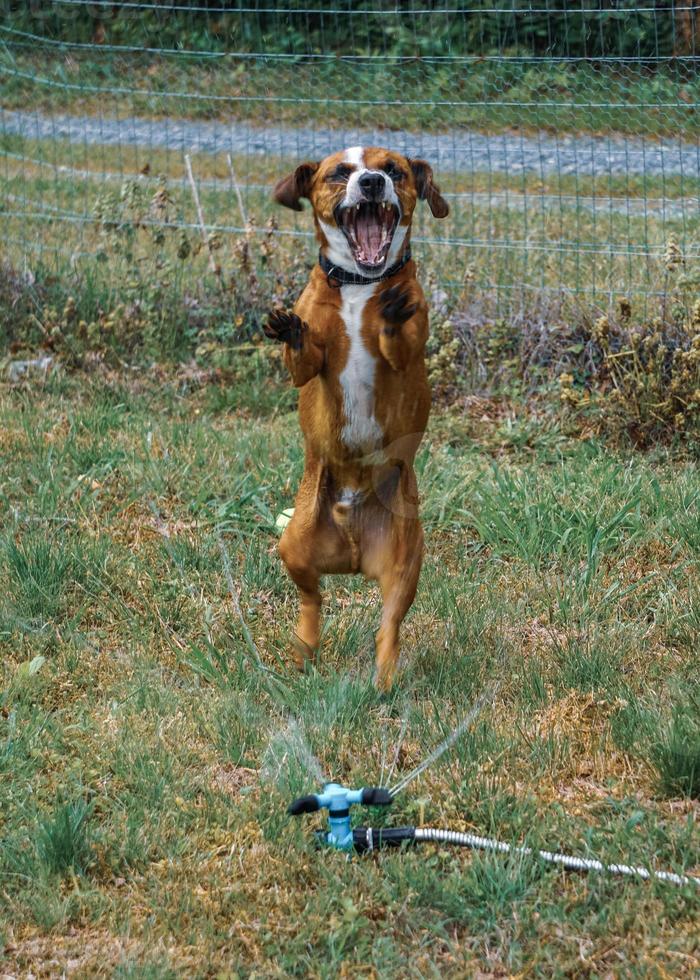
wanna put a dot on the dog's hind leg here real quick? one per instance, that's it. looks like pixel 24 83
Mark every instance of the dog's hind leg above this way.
pixel 398 584
pixel 311 545
pixel 308 630
pixel 396 560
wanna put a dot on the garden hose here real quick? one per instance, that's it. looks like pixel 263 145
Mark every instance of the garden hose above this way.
pixel 341 836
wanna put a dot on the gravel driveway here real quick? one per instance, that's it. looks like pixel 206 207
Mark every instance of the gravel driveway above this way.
pixel 459 151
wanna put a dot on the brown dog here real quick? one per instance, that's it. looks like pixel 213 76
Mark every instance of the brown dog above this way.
pixel 355 346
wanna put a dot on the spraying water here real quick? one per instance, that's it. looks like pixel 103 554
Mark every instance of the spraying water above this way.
pixel 486 697
pixel 289 754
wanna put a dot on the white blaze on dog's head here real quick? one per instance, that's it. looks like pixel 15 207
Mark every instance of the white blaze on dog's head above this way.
pixel 354 155
pixel 363 200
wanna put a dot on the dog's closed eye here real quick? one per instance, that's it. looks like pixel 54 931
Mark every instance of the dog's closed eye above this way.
pixel 393 172
pixel 340 175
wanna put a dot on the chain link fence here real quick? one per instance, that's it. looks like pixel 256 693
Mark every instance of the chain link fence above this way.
pixel 566 139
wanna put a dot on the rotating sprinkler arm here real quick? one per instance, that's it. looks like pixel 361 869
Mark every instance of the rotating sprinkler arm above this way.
pixel 338 800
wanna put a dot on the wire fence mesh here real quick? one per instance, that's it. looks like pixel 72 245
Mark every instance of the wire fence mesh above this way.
pixel 566 139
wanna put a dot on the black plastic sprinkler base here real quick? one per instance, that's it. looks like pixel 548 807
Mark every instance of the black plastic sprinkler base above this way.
pixel 372 838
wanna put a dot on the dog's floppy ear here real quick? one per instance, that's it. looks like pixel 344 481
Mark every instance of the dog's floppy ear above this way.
pixel 296 185
pixel 427 190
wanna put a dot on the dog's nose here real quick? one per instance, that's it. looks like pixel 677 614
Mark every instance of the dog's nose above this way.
pixel 372 186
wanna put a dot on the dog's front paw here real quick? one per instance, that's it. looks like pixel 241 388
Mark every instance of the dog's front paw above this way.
pixel 285 328
pixel 396 308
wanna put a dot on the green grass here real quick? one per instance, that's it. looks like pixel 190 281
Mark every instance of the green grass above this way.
pixel 489 96
pixel 147 756
pixel 62 843
pixel 678 753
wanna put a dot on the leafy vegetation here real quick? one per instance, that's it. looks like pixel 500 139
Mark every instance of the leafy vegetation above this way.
pixel 590 29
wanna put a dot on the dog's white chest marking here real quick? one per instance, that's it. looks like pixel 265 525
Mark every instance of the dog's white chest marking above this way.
pixel 361 430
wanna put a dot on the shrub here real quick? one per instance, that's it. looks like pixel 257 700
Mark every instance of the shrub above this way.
pixel 154 288
pixel 643 377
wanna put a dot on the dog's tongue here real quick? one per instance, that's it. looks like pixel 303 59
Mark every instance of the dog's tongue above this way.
pixel 371 237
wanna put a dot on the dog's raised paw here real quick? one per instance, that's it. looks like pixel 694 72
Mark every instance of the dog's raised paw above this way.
pixel 395 307
pixel 285 328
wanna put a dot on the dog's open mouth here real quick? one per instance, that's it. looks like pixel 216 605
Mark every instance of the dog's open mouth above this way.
pixel 369 228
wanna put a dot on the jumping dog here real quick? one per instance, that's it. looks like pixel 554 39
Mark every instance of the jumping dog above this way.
pixel 355 346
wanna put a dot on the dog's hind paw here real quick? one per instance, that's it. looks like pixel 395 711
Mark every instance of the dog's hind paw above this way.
pixel 285 328
pixel 395 307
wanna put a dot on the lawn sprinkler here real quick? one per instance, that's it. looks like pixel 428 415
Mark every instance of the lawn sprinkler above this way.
pixel 342 836
pixel 338 800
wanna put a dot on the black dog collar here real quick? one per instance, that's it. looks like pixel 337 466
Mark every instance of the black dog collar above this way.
pixel 337 276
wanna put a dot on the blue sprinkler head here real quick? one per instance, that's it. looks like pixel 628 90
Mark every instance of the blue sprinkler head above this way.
pixel 338 800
